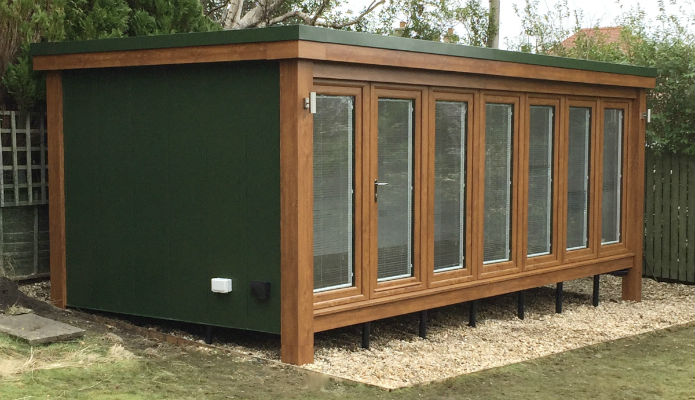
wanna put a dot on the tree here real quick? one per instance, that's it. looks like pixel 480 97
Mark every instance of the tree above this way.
pixel 241 14
pixel 27 21
pixel 480 25
pixel 493 39
pixel 22 22
pixel 433 20
pixel 670 48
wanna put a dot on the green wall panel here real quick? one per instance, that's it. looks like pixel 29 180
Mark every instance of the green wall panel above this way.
pixel 172 178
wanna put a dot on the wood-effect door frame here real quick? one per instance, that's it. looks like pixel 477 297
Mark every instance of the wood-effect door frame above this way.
pixel 557 224
pixel 620 246
pixel 418 280
pixel 593 239
pixel 469 270
pixel 361 287
pixel 512 265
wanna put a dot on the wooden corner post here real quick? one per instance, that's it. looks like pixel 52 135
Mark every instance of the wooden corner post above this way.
pixel 632 282
pixel 296 221
pixel 56 187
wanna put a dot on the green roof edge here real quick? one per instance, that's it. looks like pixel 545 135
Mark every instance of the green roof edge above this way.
pixel 325 35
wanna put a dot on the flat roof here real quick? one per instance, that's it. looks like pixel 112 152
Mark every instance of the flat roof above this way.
pixel 326 35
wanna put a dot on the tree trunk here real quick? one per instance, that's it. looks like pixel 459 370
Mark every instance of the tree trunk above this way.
pixel 493 28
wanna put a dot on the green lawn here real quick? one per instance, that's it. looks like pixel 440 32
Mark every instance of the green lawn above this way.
pixel 658 365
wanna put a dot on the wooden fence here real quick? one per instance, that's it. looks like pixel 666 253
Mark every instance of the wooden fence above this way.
pixel 669 218
pixel 23 195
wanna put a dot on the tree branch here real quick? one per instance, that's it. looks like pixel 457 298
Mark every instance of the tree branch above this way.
pixel 256 17
pixel 370 8
pixel 318 13
pixel 230 12
pixel 298 14
pixel 209 12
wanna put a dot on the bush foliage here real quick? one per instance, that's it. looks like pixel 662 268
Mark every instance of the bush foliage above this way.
pixel 28 21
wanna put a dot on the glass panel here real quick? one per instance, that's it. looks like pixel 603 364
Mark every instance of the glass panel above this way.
pixel 395 141
pixel 449 185
pixel 540 180
pixel 612 175
pixel 498 182
pixel 333 192
pixel 578 178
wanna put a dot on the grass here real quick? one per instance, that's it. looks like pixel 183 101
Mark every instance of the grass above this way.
pixel 657 365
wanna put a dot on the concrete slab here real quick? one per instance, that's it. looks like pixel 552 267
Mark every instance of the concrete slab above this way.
pixel 38 330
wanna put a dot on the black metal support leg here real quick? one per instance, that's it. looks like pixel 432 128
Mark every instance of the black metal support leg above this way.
pixel 558 298
pixel 423 324
pixel 594 297
pixel 208 334
pixel 521 304
pixel 473 310
pixel 366 327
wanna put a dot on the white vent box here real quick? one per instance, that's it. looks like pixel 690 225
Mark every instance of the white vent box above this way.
pixel 221 285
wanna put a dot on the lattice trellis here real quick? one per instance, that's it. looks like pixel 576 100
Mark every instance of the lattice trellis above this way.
pixel 24 180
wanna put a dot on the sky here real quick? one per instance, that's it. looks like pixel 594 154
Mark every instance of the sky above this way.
pixel 595 12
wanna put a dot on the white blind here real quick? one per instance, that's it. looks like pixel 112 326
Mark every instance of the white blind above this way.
pixel 540 173
pixel 612 175
pixel 449 185
pixel 333 192
pixel 498 182
pixel 578 177
pixel 395 162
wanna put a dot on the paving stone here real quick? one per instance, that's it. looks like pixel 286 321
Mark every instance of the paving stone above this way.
pixel 38 330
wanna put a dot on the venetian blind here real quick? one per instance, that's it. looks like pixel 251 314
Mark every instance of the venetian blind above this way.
pixel 578 177
pixel 498 182
pixel 540 173
pixel 395 162
pixel 333 192
pixel 449 185
pixel 612 174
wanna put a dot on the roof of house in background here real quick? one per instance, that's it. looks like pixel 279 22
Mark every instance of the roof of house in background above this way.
pixel 611 35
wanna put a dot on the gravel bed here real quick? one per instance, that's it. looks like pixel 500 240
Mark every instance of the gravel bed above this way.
pixel 40 290
pixel 398 357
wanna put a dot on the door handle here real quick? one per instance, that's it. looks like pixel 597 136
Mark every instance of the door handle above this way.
pixel 376 188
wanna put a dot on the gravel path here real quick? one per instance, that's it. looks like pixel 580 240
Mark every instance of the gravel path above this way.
pixel 398 357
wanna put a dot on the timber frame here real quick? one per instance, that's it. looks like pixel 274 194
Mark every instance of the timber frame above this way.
pixel 364 72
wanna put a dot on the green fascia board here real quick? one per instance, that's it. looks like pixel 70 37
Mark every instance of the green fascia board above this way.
pixel 325 35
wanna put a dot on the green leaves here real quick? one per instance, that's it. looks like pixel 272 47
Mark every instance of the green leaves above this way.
pixel 26 21
pixel 22 22
pixel 669 47
pixel 96 19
